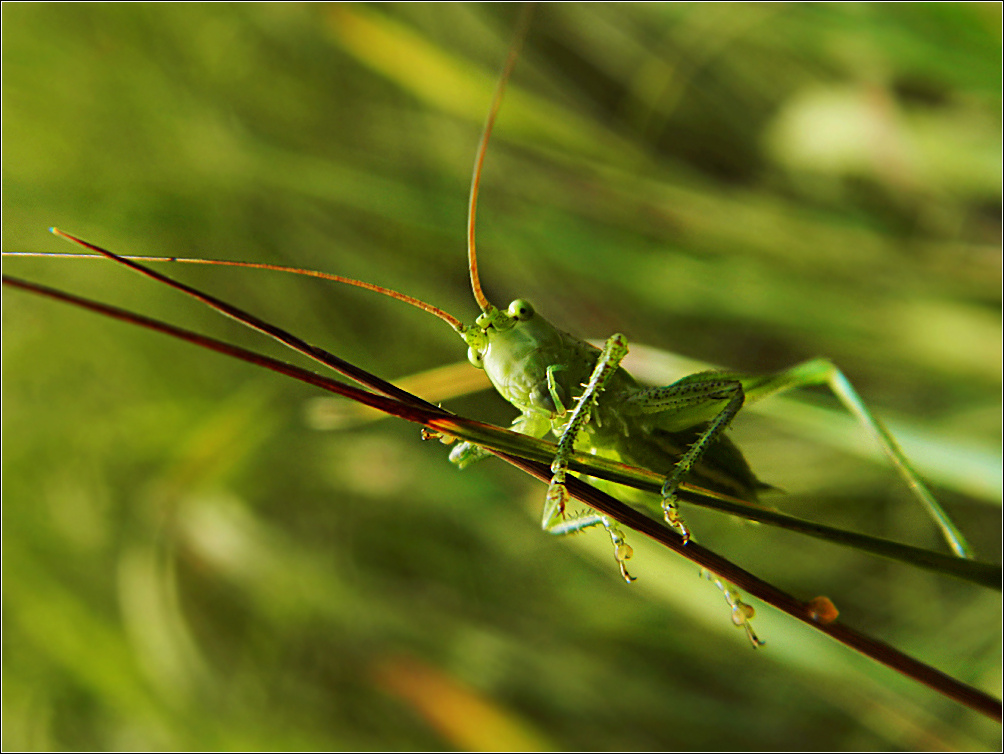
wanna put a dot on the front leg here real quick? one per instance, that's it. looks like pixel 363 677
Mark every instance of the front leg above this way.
pixel 554 520
pixel 613 353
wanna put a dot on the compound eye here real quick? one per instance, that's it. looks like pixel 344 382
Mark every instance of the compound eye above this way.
pixel 476 357
pixel 520 309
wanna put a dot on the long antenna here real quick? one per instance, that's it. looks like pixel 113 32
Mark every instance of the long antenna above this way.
pixel 448 318
pixel 472 207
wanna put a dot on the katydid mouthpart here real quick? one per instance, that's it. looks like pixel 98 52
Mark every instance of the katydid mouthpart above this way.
pixel 566 386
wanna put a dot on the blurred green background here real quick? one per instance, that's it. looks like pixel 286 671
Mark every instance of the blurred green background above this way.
pixel 189 563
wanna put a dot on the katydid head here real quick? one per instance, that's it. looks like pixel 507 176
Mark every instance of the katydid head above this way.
pixel 518 349
pixel 491 324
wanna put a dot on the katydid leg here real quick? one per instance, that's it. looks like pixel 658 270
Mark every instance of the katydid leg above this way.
pixel 557 496
pixel 613 353
pixel 824 372
pixel 556 522
pixel 742 613
pixel 691 396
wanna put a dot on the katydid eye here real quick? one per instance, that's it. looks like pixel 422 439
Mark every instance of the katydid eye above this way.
pixel 476 357
pixel 520 309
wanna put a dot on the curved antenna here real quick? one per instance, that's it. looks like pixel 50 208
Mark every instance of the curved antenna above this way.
pixel 449 319
pixel 472 206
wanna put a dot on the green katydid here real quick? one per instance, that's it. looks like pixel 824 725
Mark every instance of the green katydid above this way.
pixel 677 430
